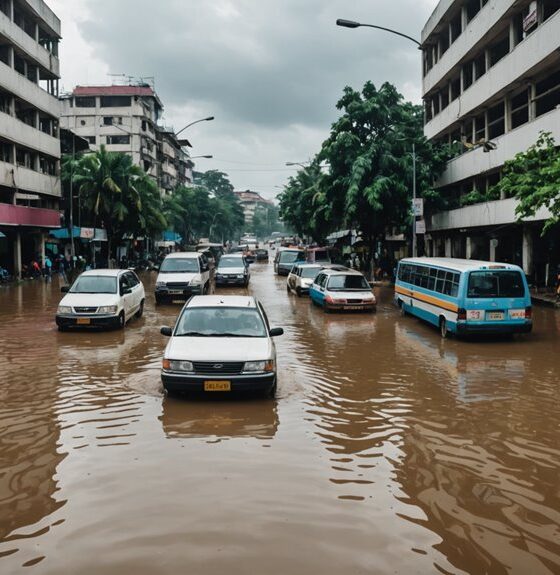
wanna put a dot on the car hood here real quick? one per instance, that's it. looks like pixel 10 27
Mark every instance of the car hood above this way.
pixel 220 348
pixel 176 277
pixel 89 299
pixel 306 282
pixel 231 271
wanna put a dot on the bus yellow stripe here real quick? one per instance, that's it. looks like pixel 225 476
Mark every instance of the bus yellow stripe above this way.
pixel 428 299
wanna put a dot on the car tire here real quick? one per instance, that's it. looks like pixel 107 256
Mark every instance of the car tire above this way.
pixel 271 393
pixel 122 321
pixel 140 311
pixel 402 308
pixel 443 328
pixel 159 300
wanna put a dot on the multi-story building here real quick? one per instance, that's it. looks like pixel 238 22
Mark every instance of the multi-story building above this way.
pixel 250 201
pixel 491 83
pixel 30 187
pixel 125 119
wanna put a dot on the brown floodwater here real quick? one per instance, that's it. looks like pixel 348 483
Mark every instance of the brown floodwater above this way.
pixel 387 450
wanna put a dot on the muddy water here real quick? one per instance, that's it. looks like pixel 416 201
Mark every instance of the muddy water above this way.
pixel 386 451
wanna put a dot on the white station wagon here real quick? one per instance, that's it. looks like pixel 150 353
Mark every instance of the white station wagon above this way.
pixel 220 344
pixel 101 298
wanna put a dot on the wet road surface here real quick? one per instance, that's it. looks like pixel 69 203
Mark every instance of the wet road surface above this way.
pixel 387 449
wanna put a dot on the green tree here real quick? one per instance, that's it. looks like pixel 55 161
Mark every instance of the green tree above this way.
pixel 533 178
pixel 216 182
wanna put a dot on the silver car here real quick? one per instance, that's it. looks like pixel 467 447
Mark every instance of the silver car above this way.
pixel 220 344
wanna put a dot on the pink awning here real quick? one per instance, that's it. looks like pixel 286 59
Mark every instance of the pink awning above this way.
pixel 23 216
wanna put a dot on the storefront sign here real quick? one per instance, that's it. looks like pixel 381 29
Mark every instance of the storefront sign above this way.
pixel 87 233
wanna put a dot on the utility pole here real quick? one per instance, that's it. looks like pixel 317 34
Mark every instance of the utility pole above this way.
pixel 414 247
pixel 71 218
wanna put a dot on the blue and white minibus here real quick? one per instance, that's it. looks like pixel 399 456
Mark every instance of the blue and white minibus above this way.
pixel 465 296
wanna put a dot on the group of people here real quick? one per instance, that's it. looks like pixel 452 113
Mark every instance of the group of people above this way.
pixel 51 265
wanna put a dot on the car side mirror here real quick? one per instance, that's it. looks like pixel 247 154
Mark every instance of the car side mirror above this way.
pixel 167 331
pixel 65 289
pixel 126 291
pixel 276 331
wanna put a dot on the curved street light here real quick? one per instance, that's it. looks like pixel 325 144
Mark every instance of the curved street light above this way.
pixel 352 24
pixel 208 119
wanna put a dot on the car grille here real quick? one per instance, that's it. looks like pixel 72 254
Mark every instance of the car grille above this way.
pixel 354 301
pixel 178 285
pixel 85 310
pixel 218 367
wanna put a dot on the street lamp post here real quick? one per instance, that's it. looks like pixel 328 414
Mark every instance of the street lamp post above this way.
pixel 352 24
pixel 208 119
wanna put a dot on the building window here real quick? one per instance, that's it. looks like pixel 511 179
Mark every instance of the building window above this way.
pixel 548 94
pixel 455 27
pixel 549 7
pixel 480 128
pixel 115 101
pixel 19 64
pixel 90 139
pixel 6 152
pixel 444 98
pixel 480 66
pixel 455 88
pixel 5 103
pixel 444 42
pixel 108 121
pixel 435 101
pixel 118 139
pixel 518 33
pixel 85 102
pixel 520 109
pixel 468 131
pixel 473 8
pixel 496 120
pixel 467 74
pixel 499 49
pixel 5 54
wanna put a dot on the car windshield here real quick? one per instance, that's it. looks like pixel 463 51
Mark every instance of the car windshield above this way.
pixel 310 273
pixel 289 257
pixel 228 262
pixel 495 284
pixel 348 283
pixel 220 322
pixel 95 284
pixel 179 265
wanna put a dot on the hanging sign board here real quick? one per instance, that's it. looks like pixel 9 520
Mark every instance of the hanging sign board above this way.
pixel 87 233
pixel 418 207
pixel 421 227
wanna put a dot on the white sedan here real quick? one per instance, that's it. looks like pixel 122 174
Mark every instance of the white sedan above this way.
pixel 101 298
pixel 220 344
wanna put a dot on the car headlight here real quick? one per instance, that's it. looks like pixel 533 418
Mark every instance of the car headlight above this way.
pixel 195 282
pixel 259 366
pixel 240 276
pixel 160 284
pixel 107 309
pixel 177 365
pixel 64 309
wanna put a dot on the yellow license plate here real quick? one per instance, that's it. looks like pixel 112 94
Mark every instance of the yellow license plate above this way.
pixel 83 321
pixel 217 386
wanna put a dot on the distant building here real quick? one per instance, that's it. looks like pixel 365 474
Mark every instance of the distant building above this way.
pixel 491 83
pixel 30 187
pixel 125 119
pixel 250 201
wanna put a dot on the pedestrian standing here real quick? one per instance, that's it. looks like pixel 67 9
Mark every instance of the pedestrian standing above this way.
pixel 48 268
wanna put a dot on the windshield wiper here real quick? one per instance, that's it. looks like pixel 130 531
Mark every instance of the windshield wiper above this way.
pixel 193 334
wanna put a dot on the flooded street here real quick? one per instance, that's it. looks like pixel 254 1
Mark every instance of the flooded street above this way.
pixel 387 450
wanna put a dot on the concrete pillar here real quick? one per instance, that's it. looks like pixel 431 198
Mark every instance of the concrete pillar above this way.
pixel 41 247
pixel 468 247
pixel 507 114
pixel 464 18
pixel 17 255
pixel 493 246
pixel 11 9
pixel 527 250
pixel 448 250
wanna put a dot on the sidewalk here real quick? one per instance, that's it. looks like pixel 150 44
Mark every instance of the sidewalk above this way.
pixel 544 298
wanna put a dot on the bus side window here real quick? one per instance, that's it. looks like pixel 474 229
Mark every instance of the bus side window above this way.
pixel 432 279
pixel 440 281
pixel 455 285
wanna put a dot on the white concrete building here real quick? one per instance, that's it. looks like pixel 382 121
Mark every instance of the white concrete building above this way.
pixel 30 186
pixel 250 202
pixel 491 73
pixel 125 119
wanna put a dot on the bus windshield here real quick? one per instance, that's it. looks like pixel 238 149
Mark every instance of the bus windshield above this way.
pixel 490 284
pixel 288 257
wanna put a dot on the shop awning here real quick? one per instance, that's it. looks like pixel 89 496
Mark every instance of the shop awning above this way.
pixel 171 236
pixel 91 234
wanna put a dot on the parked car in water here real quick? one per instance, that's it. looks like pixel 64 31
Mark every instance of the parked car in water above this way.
pixel 220 344
pixel 233 269
pixel 335 289
pixel 181 275
pixel 261 254
pixel 318 256
pixel 286 258
pixel 301 277
pixel 101 298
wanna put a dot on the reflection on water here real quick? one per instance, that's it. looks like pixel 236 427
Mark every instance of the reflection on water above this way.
pixel 388 450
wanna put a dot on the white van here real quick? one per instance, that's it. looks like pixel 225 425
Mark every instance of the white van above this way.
pixel 181 275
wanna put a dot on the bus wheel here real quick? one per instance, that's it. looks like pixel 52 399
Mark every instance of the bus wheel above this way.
pixel 443 327
pixel 402 308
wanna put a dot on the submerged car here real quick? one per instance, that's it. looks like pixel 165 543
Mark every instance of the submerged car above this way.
pixel 101 298
pixel 220 344
pixel 233 269
pixel 286 258
pixel 334 289
pixel 181 275
pixel 301 277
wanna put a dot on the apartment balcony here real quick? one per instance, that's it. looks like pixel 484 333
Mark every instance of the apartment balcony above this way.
pixel 497 213
pixel 478 162
pixel 23 216
pixel 29 45
pixel 48 17
pixel 26 180
pixel 474 33
pixel 22 134
pixel 540 48
pixel 20 86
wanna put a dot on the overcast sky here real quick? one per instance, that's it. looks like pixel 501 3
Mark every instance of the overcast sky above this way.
pixel 270 71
